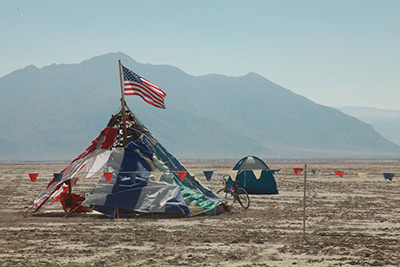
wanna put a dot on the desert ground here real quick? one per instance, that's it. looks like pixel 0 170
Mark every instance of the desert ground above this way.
pixel 350 221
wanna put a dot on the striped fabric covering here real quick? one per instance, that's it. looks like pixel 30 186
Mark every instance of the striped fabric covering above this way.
pixel 144 175
pixel 133 186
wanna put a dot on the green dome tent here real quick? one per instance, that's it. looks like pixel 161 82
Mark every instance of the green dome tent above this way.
pixel 247 168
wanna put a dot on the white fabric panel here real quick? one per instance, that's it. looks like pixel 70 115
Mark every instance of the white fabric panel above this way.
pixel 88 164
pixel 114 161
pixel 98 199
pixel 168 178
pixel 159 164
pixel 154 196
pixel 82 177
pixel 114 164
pixel 99 163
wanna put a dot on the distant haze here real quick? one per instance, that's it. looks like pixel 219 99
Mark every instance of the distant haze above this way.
pixel 54 113
pixel 386 122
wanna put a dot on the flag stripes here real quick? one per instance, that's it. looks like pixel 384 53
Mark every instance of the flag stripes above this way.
pixel 131 89
pixel 148 83
pixel 136 85
pixel 131 86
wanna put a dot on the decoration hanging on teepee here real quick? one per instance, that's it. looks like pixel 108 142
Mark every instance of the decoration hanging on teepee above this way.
pixel 58 176
pixel 182 175
pixel 33 177
pixel 108 176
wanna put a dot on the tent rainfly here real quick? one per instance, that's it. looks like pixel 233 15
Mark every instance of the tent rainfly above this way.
pixel 254 176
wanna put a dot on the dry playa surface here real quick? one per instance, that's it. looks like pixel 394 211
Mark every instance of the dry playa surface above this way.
pixel 350 221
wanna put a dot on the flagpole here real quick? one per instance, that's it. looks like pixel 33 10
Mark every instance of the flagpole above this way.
pixel 123 105
pixel 304 202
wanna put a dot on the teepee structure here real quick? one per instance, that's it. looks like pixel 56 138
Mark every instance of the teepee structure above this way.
pixel 140 175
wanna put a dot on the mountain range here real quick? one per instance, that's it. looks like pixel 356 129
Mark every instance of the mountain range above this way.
pixel 53 113
pixel 385 121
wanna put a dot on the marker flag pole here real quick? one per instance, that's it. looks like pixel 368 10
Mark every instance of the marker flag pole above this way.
pixel 304 202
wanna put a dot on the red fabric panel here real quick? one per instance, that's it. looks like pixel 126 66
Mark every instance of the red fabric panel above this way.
pixel 65 189
pixel 76 202
pixel 110 134
pixel 51 182
pixel 88 150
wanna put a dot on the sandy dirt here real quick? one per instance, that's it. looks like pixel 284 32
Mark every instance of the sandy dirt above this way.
pixel 349 222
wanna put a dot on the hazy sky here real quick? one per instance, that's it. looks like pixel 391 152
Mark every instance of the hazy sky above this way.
pixel 336 53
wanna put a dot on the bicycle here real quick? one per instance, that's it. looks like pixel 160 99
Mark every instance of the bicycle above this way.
pixel 234 192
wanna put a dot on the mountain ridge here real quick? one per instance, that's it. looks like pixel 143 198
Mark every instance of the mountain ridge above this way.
pixel 62 107
pixel 385 121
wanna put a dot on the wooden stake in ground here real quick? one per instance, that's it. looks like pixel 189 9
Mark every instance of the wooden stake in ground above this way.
pixel 304 202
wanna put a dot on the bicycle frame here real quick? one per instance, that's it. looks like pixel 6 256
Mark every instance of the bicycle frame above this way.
pixel 236 192
pixel 231 188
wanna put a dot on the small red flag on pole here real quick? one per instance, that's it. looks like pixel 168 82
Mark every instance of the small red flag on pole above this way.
pixel 298 171
pixel 108 176
pixel 33 176
pixel 339 173
pixel 182 176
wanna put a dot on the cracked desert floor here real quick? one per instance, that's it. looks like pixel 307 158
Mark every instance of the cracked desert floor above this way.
pixel 350 221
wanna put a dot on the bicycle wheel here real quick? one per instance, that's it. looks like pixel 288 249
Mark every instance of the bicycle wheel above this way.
pixel 243 198
pixel 225 195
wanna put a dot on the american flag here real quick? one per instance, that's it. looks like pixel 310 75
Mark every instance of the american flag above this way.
pixel 136 85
